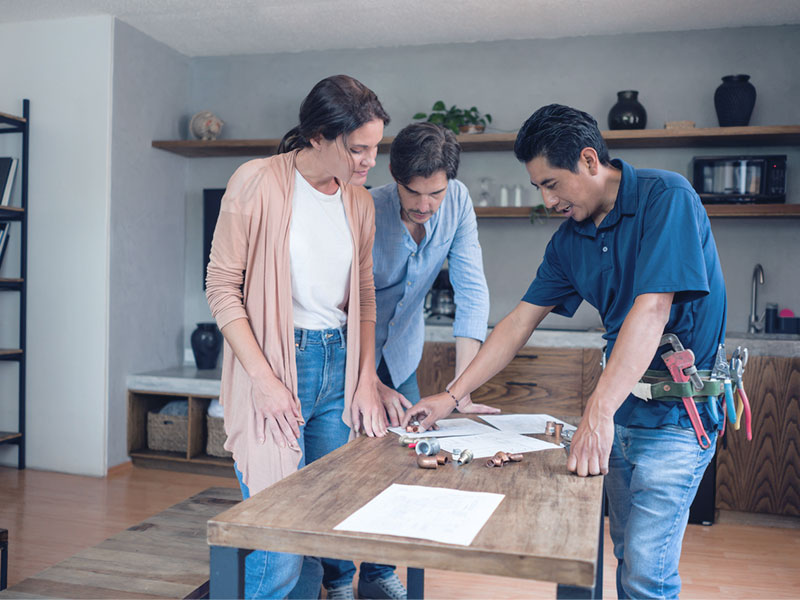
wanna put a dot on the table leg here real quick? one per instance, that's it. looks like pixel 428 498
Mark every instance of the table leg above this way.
pixel 226 572
pixel 415 580
pixel 596 591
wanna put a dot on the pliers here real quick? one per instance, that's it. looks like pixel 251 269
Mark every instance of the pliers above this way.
pixel 722 371
pixel 738 361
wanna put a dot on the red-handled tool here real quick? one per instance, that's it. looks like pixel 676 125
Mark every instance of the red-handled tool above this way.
pixel 680 362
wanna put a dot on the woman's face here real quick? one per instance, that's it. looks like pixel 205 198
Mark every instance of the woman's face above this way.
pixel 349 158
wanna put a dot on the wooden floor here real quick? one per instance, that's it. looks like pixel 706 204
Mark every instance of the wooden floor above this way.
pixel 51 516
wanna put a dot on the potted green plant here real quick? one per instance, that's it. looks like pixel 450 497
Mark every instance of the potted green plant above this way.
pixel 457 120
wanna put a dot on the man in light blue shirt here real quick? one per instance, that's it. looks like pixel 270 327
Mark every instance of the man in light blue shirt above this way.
pixel 423 218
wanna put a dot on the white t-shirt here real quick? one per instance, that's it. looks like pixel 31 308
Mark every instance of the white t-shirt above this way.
pixel 321 251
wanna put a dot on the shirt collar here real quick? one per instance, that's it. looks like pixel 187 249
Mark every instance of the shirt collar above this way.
pixel 625 203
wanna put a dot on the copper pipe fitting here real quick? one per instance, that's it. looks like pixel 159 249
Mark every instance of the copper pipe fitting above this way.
pixel 501 458
pixel 443 457
pixel 550 428
pixel 557 432
pixel 412 428
pixel 495 461
pixel 426 462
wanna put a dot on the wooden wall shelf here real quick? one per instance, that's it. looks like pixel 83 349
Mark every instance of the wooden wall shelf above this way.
pixel 776 135
pixel 713 210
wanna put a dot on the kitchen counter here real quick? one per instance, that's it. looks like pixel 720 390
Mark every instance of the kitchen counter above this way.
pixel 785 345
pixel 189 380
pixel 178 380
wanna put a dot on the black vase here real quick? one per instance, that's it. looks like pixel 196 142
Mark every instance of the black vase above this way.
pixel 734 101
pixel 206 342
pixel 627 113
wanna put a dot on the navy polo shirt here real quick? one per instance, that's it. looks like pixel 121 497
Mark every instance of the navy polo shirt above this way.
pixel 657 238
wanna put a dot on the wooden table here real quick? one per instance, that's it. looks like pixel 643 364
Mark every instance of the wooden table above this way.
pixel 549 526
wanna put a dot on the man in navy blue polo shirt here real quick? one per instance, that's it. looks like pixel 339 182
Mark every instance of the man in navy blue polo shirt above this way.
pixel 638 247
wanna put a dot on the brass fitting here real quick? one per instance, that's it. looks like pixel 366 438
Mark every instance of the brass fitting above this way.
pixel 465 457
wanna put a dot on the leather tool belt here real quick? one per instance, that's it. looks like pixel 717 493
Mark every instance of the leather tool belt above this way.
pixel 659 385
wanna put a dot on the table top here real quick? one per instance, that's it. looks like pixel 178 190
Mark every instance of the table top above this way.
pixel 546 528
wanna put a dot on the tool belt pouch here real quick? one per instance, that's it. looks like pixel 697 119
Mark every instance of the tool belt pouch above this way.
pixel 658 385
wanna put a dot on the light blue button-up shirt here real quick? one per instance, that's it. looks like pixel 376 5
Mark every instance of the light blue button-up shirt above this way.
pixel 405 271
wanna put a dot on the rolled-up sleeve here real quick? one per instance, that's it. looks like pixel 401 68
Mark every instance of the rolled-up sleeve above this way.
pixel 365 241
pixel 229 249
pixel 465 263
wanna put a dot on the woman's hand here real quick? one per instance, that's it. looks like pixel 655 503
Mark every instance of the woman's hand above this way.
pixel 429 410
pixel 276 408
pixel 367 410
pixel 393 402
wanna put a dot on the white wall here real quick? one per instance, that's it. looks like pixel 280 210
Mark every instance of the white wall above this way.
pixel 146 280
pixel 676 74
pixel 64 67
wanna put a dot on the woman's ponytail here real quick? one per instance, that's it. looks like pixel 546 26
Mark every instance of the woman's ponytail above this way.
pixel 293 140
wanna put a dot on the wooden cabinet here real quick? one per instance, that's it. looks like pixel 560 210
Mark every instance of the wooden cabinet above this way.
pixel 194 458
pixel 556 381
pixel 763 475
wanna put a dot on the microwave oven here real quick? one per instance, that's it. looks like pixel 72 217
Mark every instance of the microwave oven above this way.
pixel 740 179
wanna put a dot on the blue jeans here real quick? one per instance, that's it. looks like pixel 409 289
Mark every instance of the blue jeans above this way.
pixel 652 479
pixel 320 357
pixel 410 389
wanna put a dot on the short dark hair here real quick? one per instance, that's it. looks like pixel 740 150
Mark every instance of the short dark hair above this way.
pixel 422 149
pixel 337 105
pixel 559 133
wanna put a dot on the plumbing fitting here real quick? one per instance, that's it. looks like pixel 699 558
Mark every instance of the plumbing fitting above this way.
pixel 405 440
pixel 501 458
pixel 465 457
pixel 557 432
pixel 427 462
pixel 442 457
pixel 550 428
pixel 428 446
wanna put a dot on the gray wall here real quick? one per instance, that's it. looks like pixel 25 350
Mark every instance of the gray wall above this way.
pixel 147 261
pixel 675 73
pixel 64 67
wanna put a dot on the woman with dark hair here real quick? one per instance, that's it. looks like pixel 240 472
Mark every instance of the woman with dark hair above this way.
pixel 290 284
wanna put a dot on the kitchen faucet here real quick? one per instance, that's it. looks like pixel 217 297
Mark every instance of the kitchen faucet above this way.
pixel 755 322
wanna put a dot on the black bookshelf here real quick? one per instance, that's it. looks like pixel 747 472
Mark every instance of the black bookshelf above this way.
pixel 10 124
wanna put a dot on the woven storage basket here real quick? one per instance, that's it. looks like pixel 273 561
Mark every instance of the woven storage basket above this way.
pixel 216 437
pixel 167 432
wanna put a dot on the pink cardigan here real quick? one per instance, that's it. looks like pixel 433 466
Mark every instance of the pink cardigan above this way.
pixel 251 243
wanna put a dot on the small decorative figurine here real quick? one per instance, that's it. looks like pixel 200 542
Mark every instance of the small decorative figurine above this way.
pixel 205 125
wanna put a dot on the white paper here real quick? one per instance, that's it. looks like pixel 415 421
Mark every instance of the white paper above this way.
pixel 534 423
pixel 428 513
pixel 489 444
pixel 448 427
